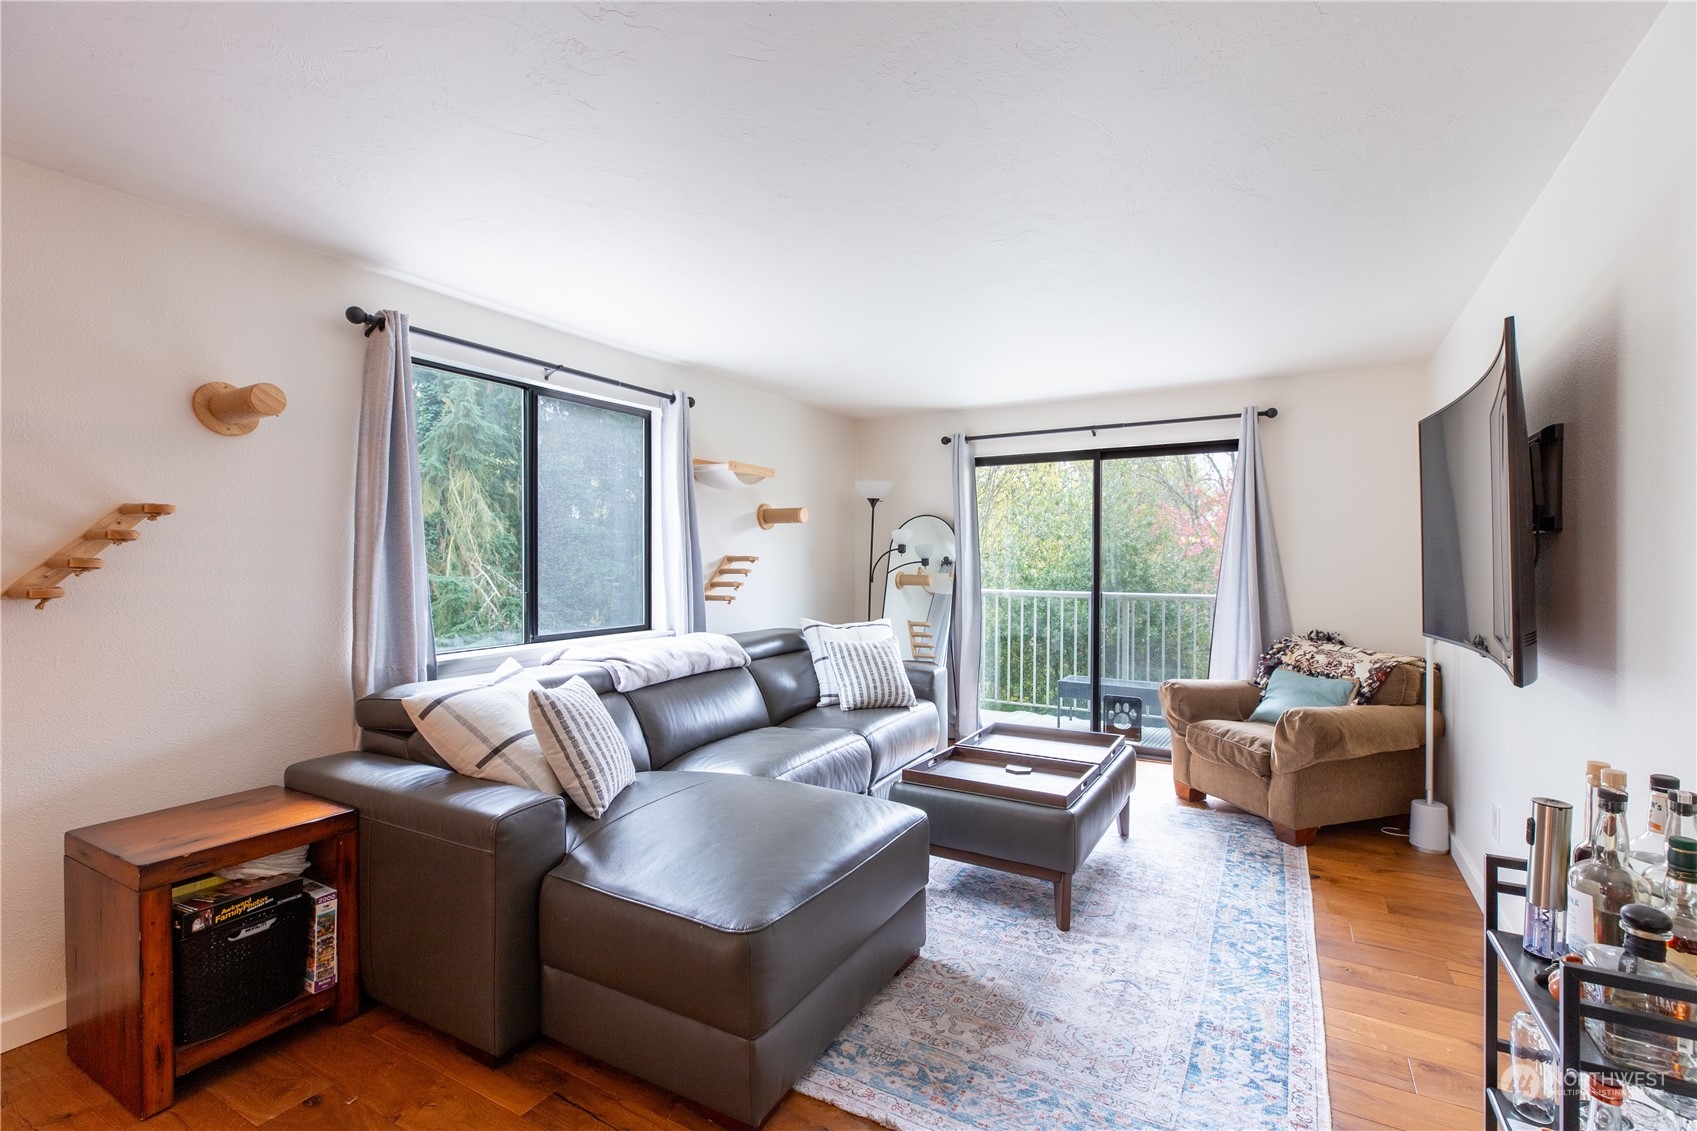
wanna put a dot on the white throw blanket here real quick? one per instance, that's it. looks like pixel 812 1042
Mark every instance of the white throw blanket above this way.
pixel 638 663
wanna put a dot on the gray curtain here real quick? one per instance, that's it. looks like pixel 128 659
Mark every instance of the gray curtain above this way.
pixel 680 529
pixel 966 625
pixel 1250 610
pixel 393 642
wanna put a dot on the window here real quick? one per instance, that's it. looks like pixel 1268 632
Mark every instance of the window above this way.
pixel 536 510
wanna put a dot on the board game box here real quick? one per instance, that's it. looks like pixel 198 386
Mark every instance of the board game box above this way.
pixel 208 907
pixel 321 937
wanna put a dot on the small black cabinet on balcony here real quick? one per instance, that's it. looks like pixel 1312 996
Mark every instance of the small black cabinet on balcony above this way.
pixel 1562 1022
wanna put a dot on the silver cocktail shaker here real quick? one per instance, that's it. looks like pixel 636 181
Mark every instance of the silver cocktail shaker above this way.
pixel 1549 831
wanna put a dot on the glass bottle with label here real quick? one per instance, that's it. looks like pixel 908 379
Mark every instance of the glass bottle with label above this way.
pixel 1650 847
pixel 1681 821
pixel 1593 782
pixel 1679 898
pixel 1644 952
pixel 1598 887
pixel 1608 1099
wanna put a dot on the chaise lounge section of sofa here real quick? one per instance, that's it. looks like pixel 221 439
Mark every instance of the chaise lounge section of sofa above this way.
pixel 712 932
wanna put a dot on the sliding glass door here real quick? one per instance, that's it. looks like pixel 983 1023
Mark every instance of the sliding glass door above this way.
pixel 1036 563
pixel 1099 575
pixel 1163 519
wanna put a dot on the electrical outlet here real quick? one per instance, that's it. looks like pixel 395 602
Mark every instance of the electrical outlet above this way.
pixel 1496 823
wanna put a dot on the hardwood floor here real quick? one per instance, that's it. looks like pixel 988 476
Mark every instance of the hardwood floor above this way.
pixel 1399 944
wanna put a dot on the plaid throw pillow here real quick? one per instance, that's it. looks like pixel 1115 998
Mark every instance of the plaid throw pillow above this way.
pixel 484 731
pixel 869 673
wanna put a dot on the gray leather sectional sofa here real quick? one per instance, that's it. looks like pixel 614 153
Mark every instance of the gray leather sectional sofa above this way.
pixel 712 932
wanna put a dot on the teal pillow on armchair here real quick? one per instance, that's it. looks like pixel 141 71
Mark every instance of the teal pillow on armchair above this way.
pixel 1287 689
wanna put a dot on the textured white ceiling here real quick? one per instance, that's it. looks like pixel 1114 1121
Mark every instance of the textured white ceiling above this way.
pixel 871 207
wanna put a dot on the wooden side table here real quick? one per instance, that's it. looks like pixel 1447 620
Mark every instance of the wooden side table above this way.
pixel 118 946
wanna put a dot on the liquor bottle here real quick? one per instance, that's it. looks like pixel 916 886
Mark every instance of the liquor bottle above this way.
pixel 1644 952
pixel 1597 888
pixel 1681 822
pixel 1614 778
pixel 1593 782
pixel 1650 847
pixel 1679 897
pixel 1608 1099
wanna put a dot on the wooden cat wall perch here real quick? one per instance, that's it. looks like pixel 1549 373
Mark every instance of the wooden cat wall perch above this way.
pixel 768 516
pixel 230 411
pixel 922 640
pixel 77 556
pixel 729 574
pixel 730 475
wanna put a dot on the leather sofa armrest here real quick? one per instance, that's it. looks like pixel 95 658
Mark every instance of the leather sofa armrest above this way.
pixel 930 681
pixel 1306 736
pixel 924 677
pixel 450 870
pixel 1186 701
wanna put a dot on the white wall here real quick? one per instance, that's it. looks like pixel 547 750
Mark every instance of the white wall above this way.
pixel 1341 462
pixel 214 652
pixel 1599 279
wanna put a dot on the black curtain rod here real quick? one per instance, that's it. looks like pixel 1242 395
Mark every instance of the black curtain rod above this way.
pixel 1269 413
pixel 375 322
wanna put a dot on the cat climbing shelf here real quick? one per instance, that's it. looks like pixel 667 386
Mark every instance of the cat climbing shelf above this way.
pixel 730 475
pixel 729 574
pixel 922 640
pixel 78 556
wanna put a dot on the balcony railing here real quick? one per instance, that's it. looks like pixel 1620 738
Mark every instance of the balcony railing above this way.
pixel 1034 638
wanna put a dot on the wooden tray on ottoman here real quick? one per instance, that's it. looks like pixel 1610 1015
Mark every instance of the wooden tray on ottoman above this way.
pixel 1021 763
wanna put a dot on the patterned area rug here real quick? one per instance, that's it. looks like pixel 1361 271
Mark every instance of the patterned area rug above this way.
pixel 1186 995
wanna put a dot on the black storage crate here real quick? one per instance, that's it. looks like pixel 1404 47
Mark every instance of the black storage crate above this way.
pixel 244 967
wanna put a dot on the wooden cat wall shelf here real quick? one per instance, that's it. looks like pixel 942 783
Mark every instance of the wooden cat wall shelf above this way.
pixel 730 573
pixel 77 556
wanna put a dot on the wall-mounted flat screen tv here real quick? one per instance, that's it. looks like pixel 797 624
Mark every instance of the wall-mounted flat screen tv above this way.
pixel 1476 522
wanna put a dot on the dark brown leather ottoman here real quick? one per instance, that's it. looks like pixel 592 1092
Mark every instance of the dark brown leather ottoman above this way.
pixel 713 933
pixel 1024 838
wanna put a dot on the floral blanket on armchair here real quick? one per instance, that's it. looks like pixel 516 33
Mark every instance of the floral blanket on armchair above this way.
pixel 1324 654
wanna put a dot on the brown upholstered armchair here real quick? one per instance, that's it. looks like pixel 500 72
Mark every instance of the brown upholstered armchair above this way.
pixel 1315 766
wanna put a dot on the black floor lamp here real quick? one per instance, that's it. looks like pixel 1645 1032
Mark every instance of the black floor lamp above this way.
pixel 872 490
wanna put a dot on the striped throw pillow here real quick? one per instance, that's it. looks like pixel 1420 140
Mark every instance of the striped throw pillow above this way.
pixel 869 673
pixel 484 730
pixel 822 638
pixel 582 744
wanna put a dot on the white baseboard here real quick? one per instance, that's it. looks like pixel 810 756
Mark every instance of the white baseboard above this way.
pixel 1470 871
pixel 31 1025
